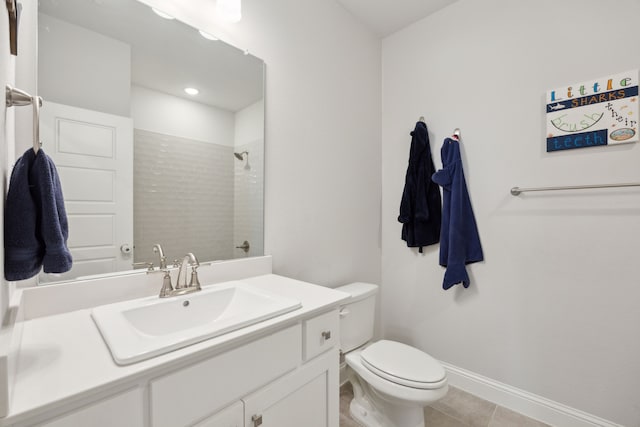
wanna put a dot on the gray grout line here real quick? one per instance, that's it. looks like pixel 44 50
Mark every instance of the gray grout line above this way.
pixel 495 409
pixel 451 416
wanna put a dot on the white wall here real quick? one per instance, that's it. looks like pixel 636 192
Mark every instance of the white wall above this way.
pixel 322 182
pixel 15 136
pixel 7 75
pixel 97 71
pixel 554 308
pixel 25 77
pixel 159 112
pixel 249 124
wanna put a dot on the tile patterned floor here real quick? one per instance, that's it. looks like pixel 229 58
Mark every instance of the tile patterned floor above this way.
pixel 457 409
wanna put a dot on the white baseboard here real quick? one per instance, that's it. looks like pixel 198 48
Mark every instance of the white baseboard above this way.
pixel 525 403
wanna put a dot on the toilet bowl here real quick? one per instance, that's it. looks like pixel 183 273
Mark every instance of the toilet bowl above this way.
pixel 392 382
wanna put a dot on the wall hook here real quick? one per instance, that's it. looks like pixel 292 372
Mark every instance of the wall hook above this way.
pixel 14 16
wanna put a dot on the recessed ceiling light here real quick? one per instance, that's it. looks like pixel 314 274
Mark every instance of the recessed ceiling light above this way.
pixel 191 91
pixel 162 14
pixel 207 35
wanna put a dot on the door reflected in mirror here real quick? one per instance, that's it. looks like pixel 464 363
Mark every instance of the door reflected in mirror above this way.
pixel 142 160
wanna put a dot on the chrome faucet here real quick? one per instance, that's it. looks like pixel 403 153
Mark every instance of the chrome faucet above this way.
pixel 181 288
pixel 167 289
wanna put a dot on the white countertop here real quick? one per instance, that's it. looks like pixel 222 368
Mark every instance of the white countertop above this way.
pixel 63 358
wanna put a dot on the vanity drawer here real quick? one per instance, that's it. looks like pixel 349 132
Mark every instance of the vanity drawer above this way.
pixel 192 393
pixel 321 333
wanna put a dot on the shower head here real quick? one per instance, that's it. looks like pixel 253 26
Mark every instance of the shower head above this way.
pixel 241 156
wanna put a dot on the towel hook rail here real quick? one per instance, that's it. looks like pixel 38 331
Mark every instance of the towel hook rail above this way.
pixel 516 191
pixel 19 98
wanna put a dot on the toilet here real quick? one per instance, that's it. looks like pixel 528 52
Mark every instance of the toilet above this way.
pixel 392 382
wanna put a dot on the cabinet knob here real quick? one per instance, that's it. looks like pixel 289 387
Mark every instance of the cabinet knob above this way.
pixel 326 335
pixel 257 420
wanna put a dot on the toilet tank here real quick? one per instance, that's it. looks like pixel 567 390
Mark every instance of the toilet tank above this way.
pixel 357 315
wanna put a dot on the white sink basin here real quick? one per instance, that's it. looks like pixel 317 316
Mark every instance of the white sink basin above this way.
pixel 140 329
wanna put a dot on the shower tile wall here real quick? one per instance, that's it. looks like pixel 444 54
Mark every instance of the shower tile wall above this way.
pixel 191 182
pixel 249 200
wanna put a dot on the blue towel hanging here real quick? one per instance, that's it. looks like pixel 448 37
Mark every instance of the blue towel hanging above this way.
pixel 459 242
pixel 35 221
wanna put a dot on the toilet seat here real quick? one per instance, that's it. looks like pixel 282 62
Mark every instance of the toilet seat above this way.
pixel 403 365
pixel 382 386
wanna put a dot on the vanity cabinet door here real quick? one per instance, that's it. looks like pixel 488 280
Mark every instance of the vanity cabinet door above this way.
pixel 307 397
pixel 125 409
pixel 303 406
pixel 232 416
pixel 187 395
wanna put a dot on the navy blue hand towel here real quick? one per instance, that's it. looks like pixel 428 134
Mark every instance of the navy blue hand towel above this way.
pixel 420 208
pixel 35 220
pixel 459 242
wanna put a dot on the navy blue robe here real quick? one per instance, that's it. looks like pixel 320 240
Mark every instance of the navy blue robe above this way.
pixel 459 242
pixel 421 207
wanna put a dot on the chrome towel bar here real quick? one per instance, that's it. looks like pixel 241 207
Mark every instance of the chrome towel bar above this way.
pixel 18 98
pixel 516 191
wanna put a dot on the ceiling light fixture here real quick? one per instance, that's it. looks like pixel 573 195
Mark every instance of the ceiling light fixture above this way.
pixel 162 14
pixel 191 91
pixel 229 10
pixel 208 36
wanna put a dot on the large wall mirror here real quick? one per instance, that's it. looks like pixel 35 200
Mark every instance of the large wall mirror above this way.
pixel 141 161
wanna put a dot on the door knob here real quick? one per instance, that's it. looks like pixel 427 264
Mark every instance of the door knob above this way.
pixel 125 249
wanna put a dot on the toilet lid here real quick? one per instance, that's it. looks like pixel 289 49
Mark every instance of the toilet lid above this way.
pixel 403 364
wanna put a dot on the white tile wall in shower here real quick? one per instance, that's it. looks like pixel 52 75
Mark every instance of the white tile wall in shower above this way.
pixel 183 197
pixel 249 199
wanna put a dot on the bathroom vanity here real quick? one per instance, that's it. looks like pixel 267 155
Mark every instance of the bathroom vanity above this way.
pixel 279 372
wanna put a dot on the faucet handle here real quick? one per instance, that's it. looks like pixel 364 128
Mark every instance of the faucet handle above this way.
pixel 167 287
pixel 149 265
pixel 194 277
